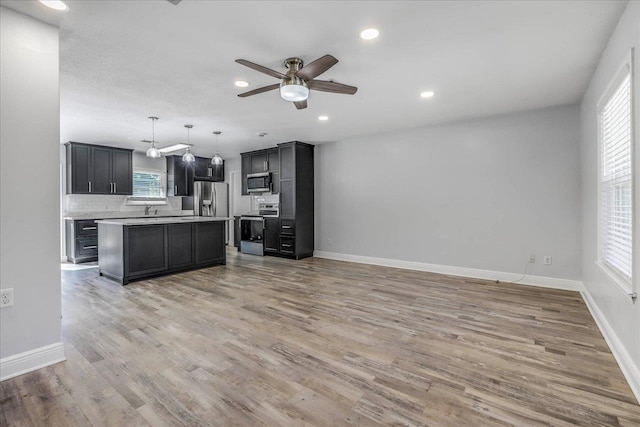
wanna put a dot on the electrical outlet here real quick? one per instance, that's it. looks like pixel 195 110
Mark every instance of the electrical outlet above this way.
pixel 532 258
pixel 6 298
pixel 547 260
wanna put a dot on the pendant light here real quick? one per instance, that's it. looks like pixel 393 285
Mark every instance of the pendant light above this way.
pixel 217 160
pixel 153 151
pixel 187 156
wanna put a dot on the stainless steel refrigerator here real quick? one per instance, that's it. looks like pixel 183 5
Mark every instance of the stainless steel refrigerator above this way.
pixel 211 199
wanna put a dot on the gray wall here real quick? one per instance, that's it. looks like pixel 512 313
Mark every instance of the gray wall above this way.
pixel 621 314
pixel 480 194
pixel 29 228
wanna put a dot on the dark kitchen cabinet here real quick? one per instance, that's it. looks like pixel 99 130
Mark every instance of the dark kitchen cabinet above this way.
pixel 179 177
pixel 261 161
pixel 81 240
pixel 236 232
pixel 296 235
pixel 135 252
pixel 122 172
pixel 96 169
pixel 271 232
pixel 180 245
pixel 206 171
pixel 210 242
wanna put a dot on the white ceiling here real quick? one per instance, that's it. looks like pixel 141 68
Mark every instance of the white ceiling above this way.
pixel 121 61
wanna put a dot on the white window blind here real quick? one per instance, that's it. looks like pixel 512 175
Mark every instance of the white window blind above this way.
pixel 616 191
pixel 147 184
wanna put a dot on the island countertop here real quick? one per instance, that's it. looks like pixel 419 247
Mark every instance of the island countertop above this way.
pixel 162 220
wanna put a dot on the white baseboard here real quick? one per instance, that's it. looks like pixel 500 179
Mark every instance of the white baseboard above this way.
pixel 31 360
pixel 630 370
pixel 541 281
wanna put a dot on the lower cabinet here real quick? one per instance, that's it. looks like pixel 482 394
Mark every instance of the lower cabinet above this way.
pixel 81 240
pixel 134 252
pixel 146 249
pixel 210 242
pixel 180 245
pixel 271 243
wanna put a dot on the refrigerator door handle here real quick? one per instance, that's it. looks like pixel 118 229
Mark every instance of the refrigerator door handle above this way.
pixel 215 200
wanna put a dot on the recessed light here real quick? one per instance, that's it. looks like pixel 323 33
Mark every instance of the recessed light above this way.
pixel 323 118
pixel 241 83
pixel 55 4
pixel 369 34
pixel 427 94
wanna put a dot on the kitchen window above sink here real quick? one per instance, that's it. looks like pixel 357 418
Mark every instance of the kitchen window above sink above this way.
pixel 148 188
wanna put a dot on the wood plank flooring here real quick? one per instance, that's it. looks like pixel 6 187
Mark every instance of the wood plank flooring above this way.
pixel 274 342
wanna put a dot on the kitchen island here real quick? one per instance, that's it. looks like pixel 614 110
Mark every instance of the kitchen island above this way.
pixel 138 248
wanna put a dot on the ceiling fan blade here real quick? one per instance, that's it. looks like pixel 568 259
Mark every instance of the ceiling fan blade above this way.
pixel 317 67
pixel 259 90
pixel 174 2
pixel 301 105
pixel 332 87
pixel 260 68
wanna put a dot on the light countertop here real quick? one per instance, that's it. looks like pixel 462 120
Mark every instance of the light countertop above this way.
pixel 162 220
pixel 124 214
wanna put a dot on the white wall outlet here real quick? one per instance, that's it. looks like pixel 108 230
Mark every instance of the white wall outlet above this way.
pixel 6 297
pixel 547 260
pixel 532 258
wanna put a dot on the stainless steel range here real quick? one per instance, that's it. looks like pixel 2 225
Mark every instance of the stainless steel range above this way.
pixel 252 228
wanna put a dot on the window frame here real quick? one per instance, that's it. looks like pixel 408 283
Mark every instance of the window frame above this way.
pixel 146 200
pixel 627 286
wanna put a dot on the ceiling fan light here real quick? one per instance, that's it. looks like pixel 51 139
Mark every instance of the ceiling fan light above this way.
pixel 294 92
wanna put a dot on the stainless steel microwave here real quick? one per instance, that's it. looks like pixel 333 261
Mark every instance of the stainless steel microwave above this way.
pixel 259 182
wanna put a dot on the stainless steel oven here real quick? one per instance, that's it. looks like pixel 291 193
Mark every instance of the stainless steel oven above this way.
pixel 251 235
pixel 259 182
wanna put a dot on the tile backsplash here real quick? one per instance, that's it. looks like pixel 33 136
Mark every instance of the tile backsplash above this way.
pixel 105 203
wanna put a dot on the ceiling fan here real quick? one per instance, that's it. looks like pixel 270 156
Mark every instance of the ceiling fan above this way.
pixel 296 83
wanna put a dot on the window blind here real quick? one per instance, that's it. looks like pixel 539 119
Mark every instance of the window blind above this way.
pixel 616 181
pixel 147 184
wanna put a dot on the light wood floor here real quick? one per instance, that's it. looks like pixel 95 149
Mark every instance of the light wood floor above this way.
pixel 268 341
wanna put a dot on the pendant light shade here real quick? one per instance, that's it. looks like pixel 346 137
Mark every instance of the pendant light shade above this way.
pixel 216 159
pixel 187 156
pixel 153 151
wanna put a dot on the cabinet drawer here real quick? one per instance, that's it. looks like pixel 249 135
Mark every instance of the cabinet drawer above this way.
pixel 288 227
pixel 287 245
pixel 87 246
pixel 86 228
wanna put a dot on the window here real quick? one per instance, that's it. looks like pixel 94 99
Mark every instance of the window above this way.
pixel 148 184
pixel 616 181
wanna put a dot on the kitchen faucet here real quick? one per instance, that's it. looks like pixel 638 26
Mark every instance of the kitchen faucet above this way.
pixel 146 209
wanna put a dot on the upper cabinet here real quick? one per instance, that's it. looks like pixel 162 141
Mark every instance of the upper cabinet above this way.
pixel 206 171
pixel 96 169
pixel 261 161
pixel 179 177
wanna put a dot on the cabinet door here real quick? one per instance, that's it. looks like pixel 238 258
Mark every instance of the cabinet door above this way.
pixel 180 245
pixel 179 177
pixel 245 169
pixel 146 249
pixel 101 170
pixel 121 172
pixel 202 167
pixel 275 182
pixel 287 162
pixel 78 169
pixel 287 200
pixel 217 172
pixel 210 242
pixel 271 234
pixel 273 160
pixel 258 163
